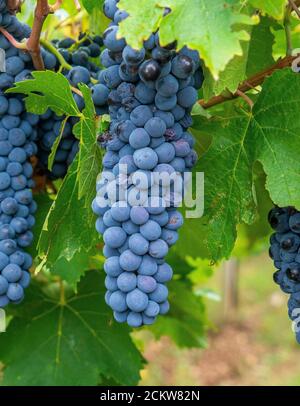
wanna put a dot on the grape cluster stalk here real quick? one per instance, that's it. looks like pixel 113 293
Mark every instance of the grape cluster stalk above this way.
pixel 150 94
pixel 285 252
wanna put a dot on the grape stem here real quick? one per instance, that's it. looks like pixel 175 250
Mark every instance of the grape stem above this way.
pixel 250 83
pixel 287 28
pixel 41 12
pixel 63 63
pixel 294 5
pixel 14 6
pixel 245 97
pixel 77 91
pixel 12 40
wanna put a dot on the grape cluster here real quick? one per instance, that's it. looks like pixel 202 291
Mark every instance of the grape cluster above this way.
pixel 80 55
pixel 151 93
pixel 285 252
pixel 17 144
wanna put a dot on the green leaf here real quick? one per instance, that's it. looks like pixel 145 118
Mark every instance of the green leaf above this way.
pixel 71 271
pixel 257 55
pixel 275 8
pixel 209 20
pixel 44 203
pixel 144 18
pixel 60 339
pixel 47 90
pixel 186 322
pixel 56 143
pixel 269 134
pixel 260 47
pixel 90 157
pixel 69 226
pixel 90 5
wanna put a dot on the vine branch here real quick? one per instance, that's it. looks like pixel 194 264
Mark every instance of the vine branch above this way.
pixel 294 5
pixel 250 83
pixel 63 63
pixel 41 12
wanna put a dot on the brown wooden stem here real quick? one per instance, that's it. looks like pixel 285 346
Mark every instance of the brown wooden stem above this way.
pixel 250 83
pixel 294 5
pixel 14 6
pixel 41 12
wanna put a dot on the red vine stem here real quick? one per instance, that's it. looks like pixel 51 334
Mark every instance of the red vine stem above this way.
pixel 250 83
pixel 12 40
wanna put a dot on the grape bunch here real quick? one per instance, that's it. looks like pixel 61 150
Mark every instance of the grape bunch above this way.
pixel 285 252
pixel 148 151
pixel 17 144
pixel 80 55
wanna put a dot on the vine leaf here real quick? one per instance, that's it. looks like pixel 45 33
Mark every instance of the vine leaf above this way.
pixel 209 20
pixel 56 143
pixel 47 90
pixel 90 5
pixel 68 341
pixel 68 220
pixel 274 8
pixel 257 56
pixel 144 19
pixel 269 134
pixel 90 156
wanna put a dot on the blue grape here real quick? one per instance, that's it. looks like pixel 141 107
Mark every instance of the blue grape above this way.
pixel 139 138
pixel 12 273
pixel 3 286
pixel 139 215
pixel 143 94
pixel 110 39
pixel 15 292
pixel 156 127
pixel 110 8
pixel 165 152
pixel 167 86
pixel 134 319
pixel 121 317
pixel 138 244
pixel 158 249
pixel 146 284
pixel 117 301
pixel 137 301
pixel 140 115
pixel 129 261
pixel 187 97
pixel 111 283
pixel 151 230
pixel 132 56
pixel 114 237
pixel 183 66
pixel 165 103
pixel 127 281
pixel 145 158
